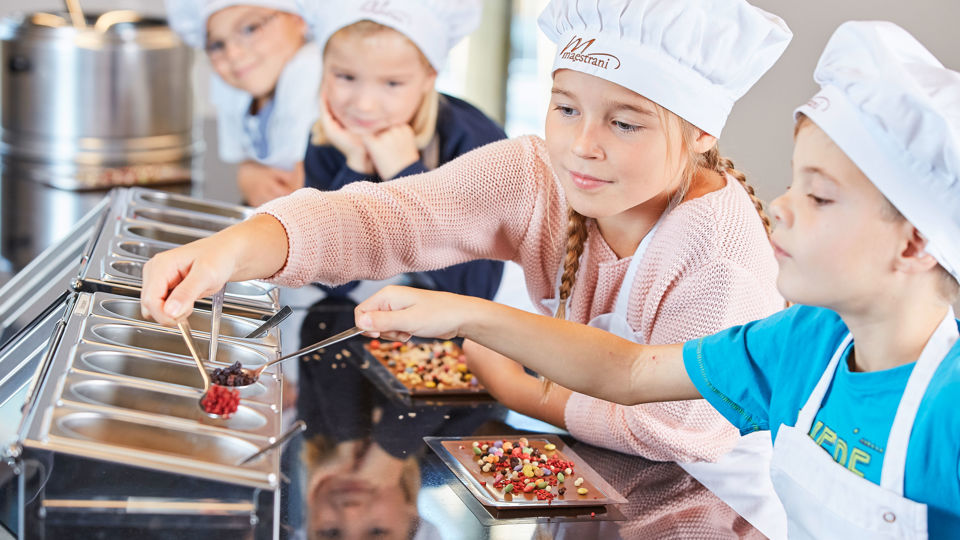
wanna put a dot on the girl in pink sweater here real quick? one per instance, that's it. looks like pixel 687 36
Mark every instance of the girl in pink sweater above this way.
pixel 625 217
pixel 858 382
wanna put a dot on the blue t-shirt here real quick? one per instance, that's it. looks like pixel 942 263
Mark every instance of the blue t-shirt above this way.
pixel 760 374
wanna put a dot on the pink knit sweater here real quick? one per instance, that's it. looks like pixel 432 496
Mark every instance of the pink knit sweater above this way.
pixel 708 267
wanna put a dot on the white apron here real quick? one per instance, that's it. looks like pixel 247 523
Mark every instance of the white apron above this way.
pixel 824 500
pixel 741 477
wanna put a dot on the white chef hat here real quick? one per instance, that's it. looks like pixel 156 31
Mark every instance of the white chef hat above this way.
pixel 693 57
pixel 188 18
pixel 434 26
pixel 894 110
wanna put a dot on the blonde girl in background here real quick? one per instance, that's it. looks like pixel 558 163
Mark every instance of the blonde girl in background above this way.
pixel 381 116
pixel 858 383
pixel 625 217
pixel 264 85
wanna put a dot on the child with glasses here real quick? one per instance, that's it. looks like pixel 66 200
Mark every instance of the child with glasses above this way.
pixel 264 86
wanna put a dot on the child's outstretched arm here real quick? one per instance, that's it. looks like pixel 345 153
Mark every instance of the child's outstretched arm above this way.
pixel 577 356
pixel 173 280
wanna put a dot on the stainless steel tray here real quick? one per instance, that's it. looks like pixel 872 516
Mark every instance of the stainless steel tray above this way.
pixel 124 390
pixel 232 327
pixel 490 496
pixel 141 223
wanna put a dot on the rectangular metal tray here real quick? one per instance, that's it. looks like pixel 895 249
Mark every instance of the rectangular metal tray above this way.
pixel 141 223
pixel 125 390
pixel 458 464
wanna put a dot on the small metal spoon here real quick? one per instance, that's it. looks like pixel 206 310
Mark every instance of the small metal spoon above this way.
pixel 298 427
pixel 187 334
pixel 346 334
pixel 274 320
pixel 215 314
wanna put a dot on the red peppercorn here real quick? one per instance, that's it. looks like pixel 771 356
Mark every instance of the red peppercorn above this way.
pixel 221 401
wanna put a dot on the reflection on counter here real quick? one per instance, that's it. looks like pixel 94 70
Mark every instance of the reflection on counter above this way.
pixel 363 468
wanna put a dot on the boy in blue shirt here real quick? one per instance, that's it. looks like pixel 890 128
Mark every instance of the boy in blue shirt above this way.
pixel 858 384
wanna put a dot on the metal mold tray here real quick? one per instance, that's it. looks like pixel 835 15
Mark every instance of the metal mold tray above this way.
pixel 170 200
pixel 141 223
pixel 167 234
pixel 152 339
pixel 129 439
pixel 231 327
pixel 139 248
pixel 176 403
pixel 118 391
pixel 130 272
pixel 130 365
pixel 180 219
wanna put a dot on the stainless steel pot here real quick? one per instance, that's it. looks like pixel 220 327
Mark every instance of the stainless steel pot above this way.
pixel 86 108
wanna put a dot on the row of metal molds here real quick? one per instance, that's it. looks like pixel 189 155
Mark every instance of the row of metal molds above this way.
pixel 111 435
pixel 142 223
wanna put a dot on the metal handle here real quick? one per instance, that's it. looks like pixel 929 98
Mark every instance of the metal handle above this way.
pixel 215 316
pixel 346 334
pixel 184 327
pixel 44 365
pixel 76 14
pixel 274 320
pixel 298 427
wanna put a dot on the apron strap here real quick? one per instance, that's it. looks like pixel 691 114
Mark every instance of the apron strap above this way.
pixel 895 454
pixel 810 408
pixel 623 295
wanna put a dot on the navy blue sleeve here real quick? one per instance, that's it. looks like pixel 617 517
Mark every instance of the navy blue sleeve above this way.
pixel 462 128
pixel 325 168
pixel 416 167
pixel 475 278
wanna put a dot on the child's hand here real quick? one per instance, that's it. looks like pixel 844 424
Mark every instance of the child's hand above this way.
pixel 260 184
pixel 349 144
pixel 392 150
pixel 397 313
pixel 173 280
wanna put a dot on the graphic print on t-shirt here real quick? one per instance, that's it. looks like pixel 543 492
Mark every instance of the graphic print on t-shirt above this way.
pixel 854 421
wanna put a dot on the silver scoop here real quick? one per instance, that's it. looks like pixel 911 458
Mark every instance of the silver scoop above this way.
pixel 187 333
